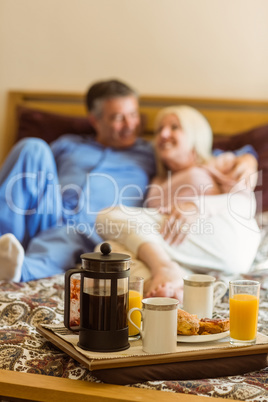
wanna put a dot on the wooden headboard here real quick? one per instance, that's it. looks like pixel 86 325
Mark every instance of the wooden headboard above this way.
pixel 226 117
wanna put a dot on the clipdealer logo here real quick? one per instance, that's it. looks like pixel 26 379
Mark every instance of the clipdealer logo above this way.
pixel 40 193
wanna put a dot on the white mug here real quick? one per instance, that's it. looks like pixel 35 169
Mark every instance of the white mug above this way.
pixel 199 294
pixel 159 324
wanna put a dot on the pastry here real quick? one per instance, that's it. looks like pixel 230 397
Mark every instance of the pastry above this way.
pixel 213 326
pixel 188 324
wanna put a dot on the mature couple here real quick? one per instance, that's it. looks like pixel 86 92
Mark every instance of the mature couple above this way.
pixel 49 193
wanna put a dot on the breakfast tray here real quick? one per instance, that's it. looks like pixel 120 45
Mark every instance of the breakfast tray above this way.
pixel 134 356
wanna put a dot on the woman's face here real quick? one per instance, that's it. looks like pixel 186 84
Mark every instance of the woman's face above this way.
pixel 172 144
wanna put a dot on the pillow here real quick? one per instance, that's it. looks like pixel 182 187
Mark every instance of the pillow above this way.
pixel 258 138
pixel 49 126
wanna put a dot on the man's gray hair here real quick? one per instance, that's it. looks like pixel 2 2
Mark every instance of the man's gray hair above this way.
pixel 103 90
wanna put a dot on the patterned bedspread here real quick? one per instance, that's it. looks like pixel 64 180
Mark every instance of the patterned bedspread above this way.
pixel 22 348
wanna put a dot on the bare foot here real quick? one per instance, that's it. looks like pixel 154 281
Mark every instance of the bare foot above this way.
pixel 11 258
pixel 167 282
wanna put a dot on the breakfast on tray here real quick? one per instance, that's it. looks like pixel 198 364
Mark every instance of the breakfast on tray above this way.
pixel 189 324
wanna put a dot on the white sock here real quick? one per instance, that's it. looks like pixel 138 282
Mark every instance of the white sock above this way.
pixel 11 258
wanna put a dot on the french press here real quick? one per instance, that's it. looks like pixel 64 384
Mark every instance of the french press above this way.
pixel 104 285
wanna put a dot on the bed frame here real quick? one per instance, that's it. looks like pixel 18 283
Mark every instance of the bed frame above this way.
pixel 226 117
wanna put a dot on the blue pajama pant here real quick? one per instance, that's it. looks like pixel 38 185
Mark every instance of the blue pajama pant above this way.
pixel 31 209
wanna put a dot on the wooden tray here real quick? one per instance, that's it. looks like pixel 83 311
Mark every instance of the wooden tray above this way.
pixel 222 349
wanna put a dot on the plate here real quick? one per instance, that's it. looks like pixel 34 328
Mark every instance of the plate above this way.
pixel 202 338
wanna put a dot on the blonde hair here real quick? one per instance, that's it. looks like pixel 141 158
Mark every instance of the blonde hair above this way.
pixel 196 128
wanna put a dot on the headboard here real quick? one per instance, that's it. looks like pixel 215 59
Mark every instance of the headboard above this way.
pixel 226 117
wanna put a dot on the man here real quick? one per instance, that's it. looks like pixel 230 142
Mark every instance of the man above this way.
pixel 50 196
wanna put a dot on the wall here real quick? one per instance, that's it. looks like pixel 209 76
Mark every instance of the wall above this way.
pixel 212 48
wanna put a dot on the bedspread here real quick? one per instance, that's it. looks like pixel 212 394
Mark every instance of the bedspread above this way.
pixel 22 348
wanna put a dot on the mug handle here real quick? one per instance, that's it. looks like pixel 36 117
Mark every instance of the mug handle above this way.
pixel 129 318
pixel 222 293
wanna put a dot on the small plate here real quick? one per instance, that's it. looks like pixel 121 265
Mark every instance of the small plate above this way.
pixel 202 338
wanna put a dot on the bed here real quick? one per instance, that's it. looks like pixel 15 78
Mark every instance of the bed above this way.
pixel 31 368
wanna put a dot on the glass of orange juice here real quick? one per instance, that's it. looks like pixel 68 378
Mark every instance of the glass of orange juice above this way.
pixel 134 300
pixel 244 308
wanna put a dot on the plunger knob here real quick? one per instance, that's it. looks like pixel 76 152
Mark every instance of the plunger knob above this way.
pixel 105 248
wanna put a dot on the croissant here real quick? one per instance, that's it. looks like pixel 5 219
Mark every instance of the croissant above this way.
pixel 188 324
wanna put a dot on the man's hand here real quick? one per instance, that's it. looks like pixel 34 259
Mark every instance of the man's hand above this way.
pixel 230 169
pixel 178 223
pixel 246 166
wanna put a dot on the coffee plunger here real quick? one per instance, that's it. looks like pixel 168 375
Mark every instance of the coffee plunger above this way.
pixel 104 285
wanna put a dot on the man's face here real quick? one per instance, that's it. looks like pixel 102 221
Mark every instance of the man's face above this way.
pixel 118 123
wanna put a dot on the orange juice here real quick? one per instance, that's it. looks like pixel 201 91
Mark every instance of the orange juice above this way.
pixel 134 300
pixel 243 316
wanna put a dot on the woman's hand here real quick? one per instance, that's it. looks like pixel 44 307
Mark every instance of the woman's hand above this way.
pixel 179 222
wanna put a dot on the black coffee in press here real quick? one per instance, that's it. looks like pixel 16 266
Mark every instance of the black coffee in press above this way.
pixel 97 310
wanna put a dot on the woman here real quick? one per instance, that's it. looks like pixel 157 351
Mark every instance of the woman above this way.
pixel 197 218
